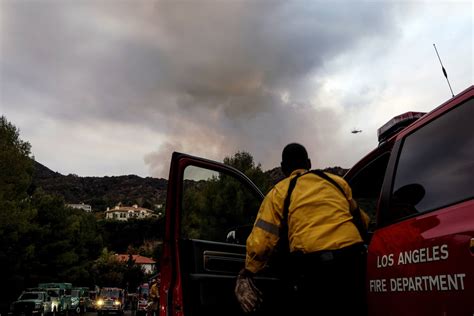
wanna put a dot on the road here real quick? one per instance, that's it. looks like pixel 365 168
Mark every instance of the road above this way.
pixel 126 313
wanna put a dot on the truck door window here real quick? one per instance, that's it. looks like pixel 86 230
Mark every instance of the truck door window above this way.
pixel 366 185
pixel 436 165
pixel 215 204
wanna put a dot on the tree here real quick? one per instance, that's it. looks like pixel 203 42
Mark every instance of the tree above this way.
pixel 120 235
pixel 244 162
pixel 16 166
pixel 108 271
pixel 16 213
pixel 40 238
pixel 70 240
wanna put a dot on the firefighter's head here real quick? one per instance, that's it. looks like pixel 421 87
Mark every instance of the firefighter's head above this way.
pixel 294 156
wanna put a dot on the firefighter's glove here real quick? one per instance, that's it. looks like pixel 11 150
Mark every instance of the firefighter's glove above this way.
pixel 248 295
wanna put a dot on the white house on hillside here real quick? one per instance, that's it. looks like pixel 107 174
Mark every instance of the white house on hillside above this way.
pixel 123 213
pixel 82 206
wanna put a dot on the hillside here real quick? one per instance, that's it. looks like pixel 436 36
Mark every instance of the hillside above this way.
pixel 103 192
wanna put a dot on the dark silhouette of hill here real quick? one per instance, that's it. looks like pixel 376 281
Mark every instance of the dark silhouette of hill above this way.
pixel 103 192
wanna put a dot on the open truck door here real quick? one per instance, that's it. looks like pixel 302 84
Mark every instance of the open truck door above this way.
pixel 210 210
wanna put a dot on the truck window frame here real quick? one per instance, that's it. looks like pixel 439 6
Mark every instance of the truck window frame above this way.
pixel 386 200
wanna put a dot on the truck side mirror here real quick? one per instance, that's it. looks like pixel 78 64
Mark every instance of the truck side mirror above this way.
pixel 231 237
pixel 239 234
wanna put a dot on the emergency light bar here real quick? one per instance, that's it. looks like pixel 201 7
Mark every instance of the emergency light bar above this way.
pixel 396 124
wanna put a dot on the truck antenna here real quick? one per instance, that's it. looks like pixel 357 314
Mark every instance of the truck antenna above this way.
pixel 444 70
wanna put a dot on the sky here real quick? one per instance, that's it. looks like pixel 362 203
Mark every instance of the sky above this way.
pixel 114 87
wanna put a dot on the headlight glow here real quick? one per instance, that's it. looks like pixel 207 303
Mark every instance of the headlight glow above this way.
pixel 100 302
pixel 117 302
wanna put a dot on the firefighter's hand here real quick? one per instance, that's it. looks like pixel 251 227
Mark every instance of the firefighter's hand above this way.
pixel 248 295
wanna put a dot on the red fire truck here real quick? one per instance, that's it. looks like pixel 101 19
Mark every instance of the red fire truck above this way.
pixel 418 184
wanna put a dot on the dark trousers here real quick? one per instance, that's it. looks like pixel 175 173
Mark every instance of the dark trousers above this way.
pixel 329 282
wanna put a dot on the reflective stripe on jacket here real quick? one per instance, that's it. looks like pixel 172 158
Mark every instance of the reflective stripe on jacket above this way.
pixel 318 219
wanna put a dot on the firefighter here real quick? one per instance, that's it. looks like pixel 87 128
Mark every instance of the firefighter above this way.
pixel 154 296
pixel 313 216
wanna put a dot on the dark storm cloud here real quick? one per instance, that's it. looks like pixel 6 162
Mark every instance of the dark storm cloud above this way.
pixel 211 77
pixel 234 50
pixel 235 61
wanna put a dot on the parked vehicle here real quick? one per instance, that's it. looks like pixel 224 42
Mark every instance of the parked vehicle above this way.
pixel 60 294
pixel 143 293
pixel 92 301
pixel 110 300
pixel 418 183
pixel 80 301
pixel 32 303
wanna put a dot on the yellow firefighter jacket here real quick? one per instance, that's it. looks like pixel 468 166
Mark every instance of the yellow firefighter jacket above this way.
pixel 319 218
pixel 154 293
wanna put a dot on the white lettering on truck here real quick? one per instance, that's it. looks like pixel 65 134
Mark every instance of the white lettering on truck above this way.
pixel 442 282
pixel 435 253
pixel 422 283
pixel 422 255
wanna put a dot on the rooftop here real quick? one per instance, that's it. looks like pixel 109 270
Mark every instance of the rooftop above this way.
pixel 137 258
pixel 134 208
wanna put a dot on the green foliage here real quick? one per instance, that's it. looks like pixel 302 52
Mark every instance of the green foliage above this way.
pixel 43 241
pixel 15 165
pixel 40 239
pixel 16 248
pixel 243 161
pixel 108 271
pixel 16 212
pixel 151 248
pixel 119 235
pixel 70 240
